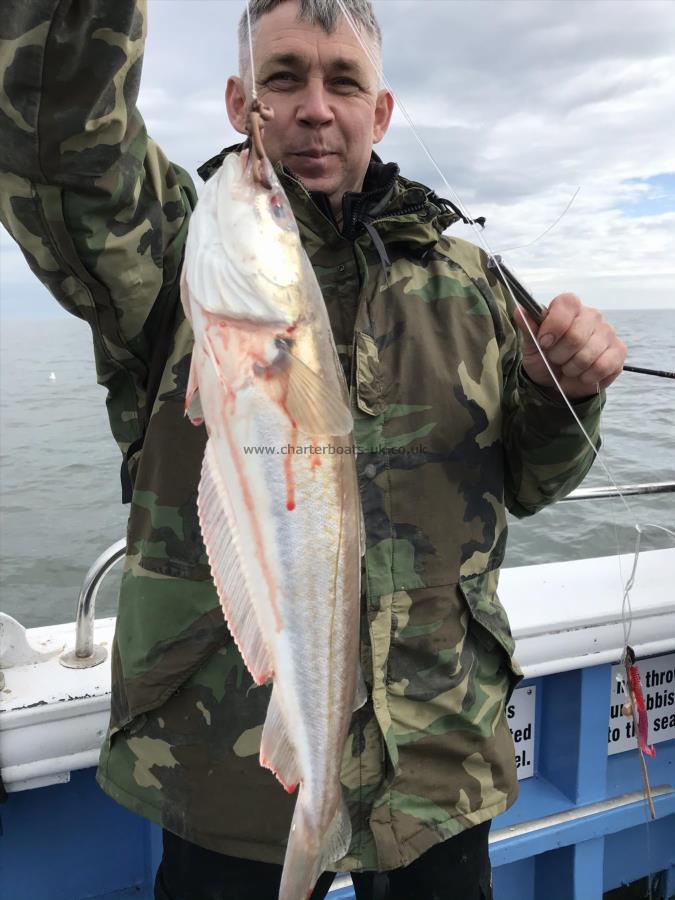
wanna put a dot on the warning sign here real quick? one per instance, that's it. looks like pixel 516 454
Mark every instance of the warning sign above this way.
pixel 520 714
pixel 658 686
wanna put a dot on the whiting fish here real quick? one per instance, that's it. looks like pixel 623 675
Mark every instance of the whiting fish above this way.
pixel 281 529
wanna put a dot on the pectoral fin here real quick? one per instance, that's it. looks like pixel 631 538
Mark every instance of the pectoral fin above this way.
pixel 313 406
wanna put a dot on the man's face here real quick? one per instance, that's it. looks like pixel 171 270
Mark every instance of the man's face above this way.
pixel 328 111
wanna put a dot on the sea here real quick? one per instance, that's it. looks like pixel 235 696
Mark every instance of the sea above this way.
pixel 60 495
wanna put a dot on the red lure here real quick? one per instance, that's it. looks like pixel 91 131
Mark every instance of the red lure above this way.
pixel 635 688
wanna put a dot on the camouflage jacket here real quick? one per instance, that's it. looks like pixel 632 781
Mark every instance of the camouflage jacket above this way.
pixel 449 430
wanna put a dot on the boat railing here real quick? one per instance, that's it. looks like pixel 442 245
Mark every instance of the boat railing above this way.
pixel 87 654
pixel 596 493
pixel 531 827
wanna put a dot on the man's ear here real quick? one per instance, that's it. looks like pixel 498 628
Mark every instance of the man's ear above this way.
pixel 236 103
pixel 384 107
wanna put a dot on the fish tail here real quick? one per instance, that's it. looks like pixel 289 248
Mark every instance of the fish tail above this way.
pixel 308 853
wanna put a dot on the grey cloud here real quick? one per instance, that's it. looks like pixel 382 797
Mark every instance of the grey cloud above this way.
pixel 488 57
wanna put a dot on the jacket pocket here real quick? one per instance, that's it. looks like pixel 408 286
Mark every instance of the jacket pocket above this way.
pixel 368 375
pixel 480 593
pixel 167 628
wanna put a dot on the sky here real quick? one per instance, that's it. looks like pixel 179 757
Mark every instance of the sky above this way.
pixel 524 104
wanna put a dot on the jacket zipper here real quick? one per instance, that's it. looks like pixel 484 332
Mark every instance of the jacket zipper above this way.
pixel 406 211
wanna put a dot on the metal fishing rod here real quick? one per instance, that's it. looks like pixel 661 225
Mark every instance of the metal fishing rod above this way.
pixel 523 296
pixel 538 312
pixel 658 372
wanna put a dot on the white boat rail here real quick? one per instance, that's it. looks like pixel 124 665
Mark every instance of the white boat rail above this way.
pixel 86 654
pixel 595 493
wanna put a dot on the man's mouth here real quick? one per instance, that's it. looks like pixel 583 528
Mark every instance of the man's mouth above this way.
pixel 313 153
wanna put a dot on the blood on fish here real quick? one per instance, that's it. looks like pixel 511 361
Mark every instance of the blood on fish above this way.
pixel 283 402
pixel 315 460
pixel 288 473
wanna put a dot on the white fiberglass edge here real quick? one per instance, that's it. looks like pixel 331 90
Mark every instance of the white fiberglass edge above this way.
pixel 568 615
pixel 53 719
pixel 563 616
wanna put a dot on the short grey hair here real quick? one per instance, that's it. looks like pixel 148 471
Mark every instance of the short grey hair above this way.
pixel 322 13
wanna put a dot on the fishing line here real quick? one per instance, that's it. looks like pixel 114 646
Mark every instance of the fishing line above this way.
pixel 626 608
pixel 547 230
pixel 254 90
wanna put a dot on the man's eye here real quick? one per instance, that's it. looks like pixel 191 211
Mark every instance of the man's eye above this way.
pixel 345 84
pixel 282 77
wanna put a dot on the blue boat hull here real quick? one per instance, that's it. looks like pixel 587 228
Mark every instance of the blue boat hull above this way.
pixel 71 842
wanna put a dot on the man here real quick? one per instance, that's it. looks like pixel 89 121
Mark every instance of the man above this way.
pixel 453 421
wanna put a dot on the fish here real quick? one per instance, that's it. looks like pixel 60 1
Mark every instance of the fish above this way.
pixel 278 500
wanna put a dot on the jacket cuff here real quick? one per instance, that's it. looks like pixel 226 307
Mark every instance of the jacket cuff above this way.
pixel 549 414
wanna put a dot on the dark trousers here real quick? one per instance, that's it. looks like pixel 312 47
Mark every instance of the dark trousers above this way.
pixel 457 869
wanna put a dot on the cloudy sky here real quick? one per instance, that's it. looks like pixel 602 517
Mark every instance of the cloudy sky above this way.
pixel 521 102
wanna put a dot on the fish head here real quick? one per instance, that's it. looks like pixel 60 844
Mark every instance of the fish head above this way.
pixel 261 240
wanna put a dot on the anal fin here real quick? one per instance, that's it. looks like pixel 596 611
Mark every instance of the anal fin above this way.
pixel 277 753
pixel 216 523
pixel 338 837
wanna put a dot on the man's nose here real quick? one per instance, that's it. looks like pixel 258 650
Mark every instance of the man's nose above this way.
pixel 314 108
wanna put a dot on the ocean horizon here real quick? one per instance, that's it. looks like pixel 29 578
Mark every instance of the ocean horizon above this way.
pixel 60 496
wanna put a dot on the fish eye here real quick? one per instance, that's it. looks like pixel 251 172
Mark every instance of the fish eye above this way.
pixel 284 343
pixel 277 207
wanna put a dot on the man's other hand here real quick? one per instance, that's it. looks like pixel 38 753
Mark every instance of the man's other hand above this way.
pixel 581 347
